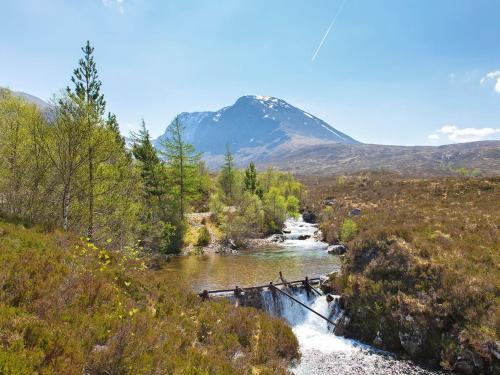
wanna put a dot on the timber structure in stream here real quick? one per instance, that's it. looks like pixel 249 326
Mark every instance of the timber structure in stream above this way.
pixel 252 296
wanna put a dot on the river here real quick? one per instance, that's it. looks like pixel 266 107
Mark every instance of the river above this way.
pixel 322 352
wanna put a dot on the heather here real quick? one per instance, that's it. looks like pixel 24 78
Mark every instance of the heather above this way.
pixel 69 307
pixel 422 271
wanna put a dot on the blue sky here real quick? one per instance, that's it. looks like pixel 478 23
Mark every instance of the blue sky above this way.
pixel 391 72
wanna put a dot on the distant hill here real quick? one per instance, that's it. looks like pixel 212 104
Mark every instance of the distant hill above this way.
pixel 477 157
pixel 43 105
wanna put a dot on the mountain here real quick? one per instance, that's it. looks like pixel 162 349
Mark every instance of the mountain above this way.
pixel 253 127
pixel 43 105
pixel 270 131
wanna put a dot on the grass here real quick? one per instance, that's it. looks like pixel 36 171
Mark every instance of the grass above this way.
pixel 68 307
pixel 426 251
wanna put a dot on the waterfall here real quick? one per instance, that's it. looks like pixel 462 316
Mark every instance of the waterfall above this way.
pixel 324 353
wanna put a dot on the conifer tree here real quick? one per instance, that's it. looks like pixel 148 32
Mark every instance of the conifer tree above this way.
pixel 250 180
pixel 152 170
pixel 182 165
pixel 86 94
pixel 227 179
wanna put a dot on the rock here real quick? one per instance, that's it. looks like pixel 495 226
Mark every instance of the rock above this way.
pixel 468 362
pixel 99 348
pixel 303 237
pixel 463 367
pixel 318 235
pixel 342 325
pixel 277 238
pixel 411 336
pixel 377 341
pixel 336 249
pixel 309 217
pixel 329 202
pixel 238 356
pixel 355 212
pixel 495 350
pixel 229 243
pixel 287 231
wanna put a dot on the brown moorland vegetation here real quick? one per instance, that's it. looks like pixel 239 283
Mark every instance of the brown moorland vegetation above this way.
pixel 422 271
pixel 68 307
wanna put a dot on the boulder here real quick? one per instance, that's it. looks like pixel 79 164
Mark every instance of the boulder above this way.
pixel 229 243
pixel 342 325
pixel 354 212
pixel 277 238
pixel 318 235
pixel 287 231
pixel 303 237
pixel 338 249
pixel 309 217
pixel 411 336
pixel 377 341
pixel 329 202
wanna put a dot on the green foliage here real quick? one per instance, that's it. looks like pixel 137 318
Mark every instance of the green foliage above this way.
pixel 263 204
pixel 227 177
pixel 348 230
pixel 250 182
pixel 167 239
pixel 182 168
pixel 203 236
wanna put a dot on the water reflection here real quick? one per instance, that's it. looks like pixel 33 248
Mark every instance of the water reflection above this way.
pixel 251 267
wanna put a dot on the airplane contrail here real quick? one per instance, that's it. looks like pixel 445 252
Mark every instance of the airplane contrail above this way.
pixel 328 31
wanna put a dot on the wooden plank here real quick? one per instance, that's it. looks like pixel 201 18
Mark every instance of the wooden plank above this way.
pixel 260 286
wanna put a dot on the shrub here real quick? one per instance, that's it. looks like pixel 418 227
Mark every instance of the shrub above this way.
pixel 349 230
pixel 203 236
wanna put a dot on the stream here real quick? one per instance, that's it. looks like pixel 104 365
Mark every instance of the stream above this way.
pixel 322 351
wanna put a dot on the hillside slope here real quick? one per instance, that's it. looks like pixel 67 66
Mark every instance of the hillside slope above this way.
pixel 68 307
pixel 421 273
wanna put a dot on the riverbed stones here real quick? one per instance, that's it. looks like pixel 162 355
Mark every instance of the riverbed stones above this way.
pixel 303 237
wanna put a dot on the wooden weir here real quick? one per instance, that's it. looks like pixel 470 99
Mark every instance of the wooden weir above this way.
pixel 314 279
pixel 274 287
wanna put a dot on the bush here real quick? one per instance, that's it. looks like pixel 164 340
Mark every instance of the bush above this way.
pixel 203 237
pixel 349 230
pixel 171 240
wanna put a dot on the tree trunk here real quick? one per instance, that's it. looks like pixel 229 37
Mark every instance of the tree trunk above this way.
pixel 65 206
pixel 90 231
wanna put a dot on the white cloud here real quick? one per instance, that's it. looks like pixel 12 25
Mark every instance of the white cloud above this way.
pixel 492 76
pixel 118 4
pixel 456 134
